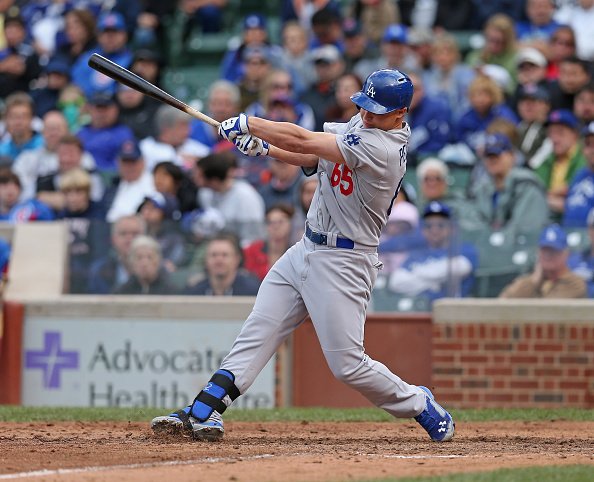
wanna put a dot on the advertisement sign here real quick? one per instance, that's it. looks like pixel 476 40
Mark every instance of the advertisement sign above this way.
pixel 96 362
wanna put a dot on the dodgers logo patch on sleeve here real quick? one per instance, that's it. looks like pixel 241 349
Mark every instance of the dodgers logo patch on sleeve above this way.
pixel 352 139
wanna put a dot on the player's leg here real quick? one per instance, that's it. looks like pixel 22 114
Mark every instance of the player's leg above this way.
pixel 278 310
pixel 345 278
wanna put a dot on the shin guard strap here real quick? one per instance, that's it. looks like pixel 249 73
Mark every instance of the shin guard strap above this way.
pixel 212 402
pixel 226 383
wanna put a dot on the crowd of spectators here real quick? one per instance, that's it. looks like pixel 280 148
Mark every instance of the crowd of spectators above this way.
pixel 158 203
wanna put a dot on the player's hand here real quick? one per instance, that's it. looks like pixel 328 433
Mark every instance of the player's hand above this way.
pixel 233 127
pixel 251 145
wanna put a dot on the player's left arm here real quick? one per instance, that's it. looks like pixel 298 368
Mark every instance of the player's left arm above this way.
pixel 288 139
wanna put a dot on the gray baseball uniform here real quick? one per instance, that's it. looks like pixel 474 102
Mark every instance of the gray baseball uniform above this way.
pixel 332 282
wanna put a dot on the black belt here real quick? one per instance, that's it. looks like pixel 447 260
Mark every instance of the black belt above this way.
pixel 321 238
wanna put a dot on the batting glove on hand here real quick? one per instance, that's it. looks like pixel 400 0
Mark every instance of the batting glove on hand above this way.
pixel 251 145
pixel 233 127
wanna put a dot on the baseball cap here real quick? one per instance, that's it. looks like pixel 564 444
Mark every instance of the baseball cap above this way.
pixel 13 16
pixel 531 55
pixel 553 237
pixel 148 55
pixel 497 143
pixel 562 116
pixel 533 91
pixel 129 151
pixel 326 54
pixel 165 202
pixel 58 66
pixel 254 20
pixel 436 208
pixel 351 27
pixel 111 21
pixel 102 99
pixel 205 223
pixel 588 129
pixel 395 33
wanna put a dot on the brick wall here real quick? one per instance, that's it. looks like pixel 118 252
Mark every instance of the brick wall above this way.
pixel 507 361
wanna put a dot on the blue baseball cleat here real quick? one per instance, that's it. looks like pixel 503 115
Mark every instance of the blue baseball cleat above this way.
pixel 438 423
pixel 182 423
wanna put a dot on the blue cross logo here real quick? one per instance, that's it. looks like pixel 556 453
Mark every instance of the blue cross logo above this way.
pixel 352 139
pixel 51 359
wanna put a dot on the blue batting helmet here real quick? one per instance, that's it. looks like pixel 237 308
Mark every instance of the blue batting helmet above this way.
pixel 385 91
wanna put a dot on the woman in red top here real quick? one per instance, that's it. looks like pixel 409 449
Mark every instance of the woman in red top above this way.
pixel 259 256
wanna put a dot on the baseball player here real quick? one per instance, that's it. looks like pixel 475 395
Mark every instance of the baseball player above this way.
pixel 330 272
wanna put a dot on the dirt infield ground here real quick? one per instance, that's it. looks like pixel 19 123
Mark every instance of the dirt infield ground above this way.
pixel 128 452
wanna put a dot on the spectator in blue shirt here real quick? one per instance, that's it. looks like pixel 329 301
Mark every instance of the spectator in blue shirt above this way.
pixel 19 212
pixel 539 25
pixel 19 117
pixel 582 263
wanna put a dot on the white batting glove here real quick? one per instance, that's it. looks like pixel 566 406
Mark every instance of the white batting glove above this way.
pixel 234 126
pixel 251 145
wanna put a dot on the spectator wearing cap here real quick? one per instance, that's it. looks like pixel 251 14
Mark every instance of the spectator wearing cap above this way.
pixel 430 120
pixel 532 70
pixel 567 157
pixel 14 211
pixel 35 163
pixel 395 53
pixel 104 136
pixel 130 186
pixel 172 141
pixel 19 64
pixel 161 214
pixel 112 44
pixel 46 96
pixel 582 262
pixel 449 77
pixel 137 111
pixel 533 105
pixel 255 33
pixel 329 66
pixel 539 24
pixel 78 35
pixel 579 16
pixel 70 156
pixel 574 74
pixel 222 103
pixel 509 199
pixel 440 268
pixel 357 45
pixel 580 196
pixel 18 115
pixel 583 104
pixel 551 277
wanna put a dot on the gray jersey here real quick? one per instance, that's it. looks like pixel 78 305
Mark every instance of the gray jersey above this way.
pixel 353 200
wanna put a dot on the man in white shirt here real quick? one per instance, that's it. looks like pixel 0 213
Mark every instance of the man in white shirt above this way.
pixel 133 183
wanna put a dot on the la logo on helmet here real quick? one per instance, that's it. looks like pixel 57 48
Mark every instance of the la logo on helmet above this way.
pixel 370 90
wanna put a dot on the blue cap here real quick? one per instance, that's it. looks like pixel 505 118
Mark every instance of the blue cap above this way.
pixel 351 27
pixel 111 21
pixel 497 143
pixel 129 151
pixel 533 91
pixel 553 237
pixel 395 33
pixel 438 209
pixel 102 98
pixel 58 66
pixel 563 116
pixel 588 129
pixel 254 20
pixel 165 202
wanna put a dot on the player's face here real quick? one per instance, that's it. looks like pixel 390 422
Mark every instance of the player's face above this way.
pixel 384 122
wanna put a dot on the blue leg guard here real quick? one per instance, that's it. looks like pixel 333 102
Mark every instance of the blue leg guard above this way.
pixel 211 397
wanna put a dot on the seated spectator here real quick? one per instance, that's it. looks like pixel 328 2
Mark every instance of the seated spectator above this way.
pixel 533 104
pixel 256 68
pixel 574 75
pixel 441 269
pixel 112 269
pixel 326 25
pixel 11 209
pixel 76 185
pixel 539 24
pixel 305 193
pixel 35 163
pixel 46 95
pixel 343 108
pixel 147 276
pixel 222 103
pixel 70 156
pixel 224 278
pixel 295 53
pixel 104 136
pixel 241 205
pixel 71 104
pixel 19 64
pixel 561 46
pixel 112 43
pixel 560 167
pixel 161 214
pixel 449 78
pixel 18 114
pixel 78 36
pixel 131 186
pixel 487 104
pixel 532 71
pixel 170 179
pixel 282 188
pixel 580 196
pixel 260 255
pixel 580 17
pixel 583 104
pixel 375 17
pixel 510 199
pixel 137 111
pixel 172 142
pixel 430 121
pixel 582 263
pixel 551 277
pixel 147 63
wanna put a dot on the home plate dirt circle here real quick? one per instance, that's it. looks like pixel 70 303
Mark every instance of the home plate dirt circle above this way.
pixel 272 451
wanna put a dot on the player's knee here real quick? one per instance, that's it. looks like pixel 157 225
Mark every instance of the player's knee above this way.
pixel 345 366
